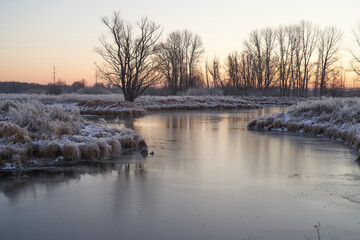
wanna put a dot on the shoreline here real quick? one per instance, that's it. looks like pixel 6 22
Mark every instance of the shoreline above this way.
pixel 333 118
pixel 51 129
pixel 181 103
pixel 114 104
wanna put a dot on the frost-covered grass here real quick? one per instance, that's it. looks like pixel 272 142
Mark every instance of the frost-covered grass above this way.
pixel 158 103
pixel 63 98
pixel 265 100
pixel 155 103
pixel 109 107
pixel 114 104
pixel 331 117
pixel 33 134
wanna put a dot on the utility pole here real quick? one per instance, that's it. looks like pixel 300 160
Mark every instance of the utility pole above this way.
pixel 54 74
pixel 96 77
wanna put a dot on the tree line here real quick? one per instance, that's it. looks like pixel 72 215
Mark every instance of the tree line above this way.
pixel 294 59
pixel 56 88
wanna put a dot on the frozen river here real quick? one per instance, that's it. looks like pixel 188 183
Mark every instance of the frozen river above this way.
pixel 209 178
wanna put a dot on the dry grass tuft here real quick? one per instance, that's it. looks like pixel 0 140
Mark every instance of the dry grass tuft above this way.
pixel 14 133
pixel 318 129
pixel 277 123
pixel 269 121
pixel 307 128
pixel 115 146
pixel 330 132
pixel 260 124
pixel 61 128
pixel 90 151
pixel 71 151
pixel 52 150
pixel 252 124
pixel 127 142
pixel 104 147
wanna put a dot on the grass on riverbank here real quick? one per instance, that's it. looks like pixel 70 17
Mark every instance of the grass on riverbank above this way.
pixel 337 118
pixel 114 104
pixel 31 130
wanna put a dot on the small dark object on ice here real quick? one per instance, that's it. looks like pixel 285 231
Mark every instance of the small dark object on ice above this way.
pixel 152 153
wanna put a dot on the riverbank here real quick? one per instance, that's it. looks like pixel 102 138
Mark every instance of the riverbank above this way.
pixel 336 118
pixel 114 104
pixel 42 130
pixel 36 135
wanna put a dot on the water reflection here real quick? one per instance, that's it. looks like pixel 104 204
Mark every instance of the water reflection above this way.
pixel 14 183
pixel 219 141
pixel 209 178
pixel 136 169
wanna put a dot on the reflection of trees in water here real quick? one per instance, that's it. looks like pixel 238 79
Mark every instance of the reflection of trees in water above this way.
pixel 132 169
pixel 190 120
pixel 129 123
pixel 13 183
pixel 115 122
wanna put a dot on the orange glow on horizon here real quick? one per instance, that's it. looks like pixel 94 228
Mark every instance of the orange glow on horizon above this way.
pixel 34 39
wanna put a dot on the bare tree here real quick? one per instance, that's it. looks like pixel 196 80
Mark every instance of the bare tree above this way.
pixel 129 59
pixel 233 70
pixel 297 70
pixel 254 47
pixel 248 70
pixel 309 38
pixel 269 44
pixel 207 73
pixel 296 44
pixel 287 56
pixel 194 55
pixel 284 43
pixel 355 64
pixel 180 56
pixel 328 49
pixel 214 70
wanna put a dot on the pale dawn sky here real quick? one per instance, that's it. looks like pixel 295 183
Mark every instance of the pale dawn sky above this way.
pixel 36 35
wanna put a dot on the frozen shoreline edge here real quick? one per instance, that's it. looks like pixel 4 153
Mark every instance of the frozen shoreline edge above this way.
pixel 332 118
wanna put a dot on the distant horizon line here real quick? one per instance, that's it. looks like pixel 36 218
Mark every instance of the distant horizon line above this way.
pixel 354 84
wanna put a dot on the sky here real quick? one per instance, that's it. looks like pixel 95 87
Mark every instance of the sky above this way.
pixel 36 35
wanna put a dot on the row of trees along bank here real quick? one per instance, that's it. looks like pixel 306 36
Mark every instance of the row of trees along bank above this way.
pixel 293 58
